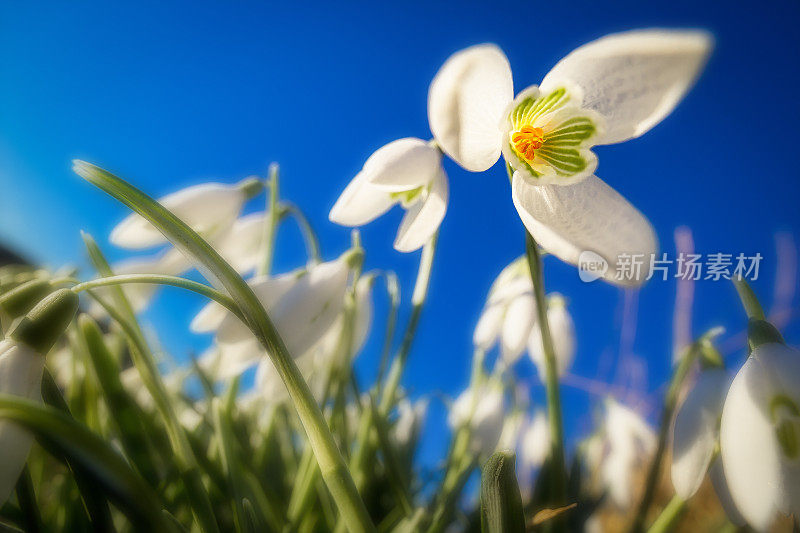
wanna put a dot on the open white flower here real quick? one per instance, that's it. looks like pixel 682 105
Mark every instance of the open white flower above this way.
pixel 562 332
pixel 760 435
pixel 482 409
pixel 303 306
pixel 630 441
pixel 608 91
pixel 208 208
pixel 509 314
pixel 407 172
pixel 695 434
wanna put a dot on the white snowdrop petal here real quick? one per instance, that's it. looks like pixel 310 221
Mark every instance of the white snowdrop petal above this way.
pixel 466 102
pixel 633 79
pixel 489 326
pixel 170 263
pixel 694 434
pixel 360 202
pixel 535 442
pixel 750 452
pixel 717 475
pixel 403 165
pixel 364 313
pixel 517 324
pixel 20 375
pixel 423 218
pixel 208 208
pixel 587 216
pixel 242 245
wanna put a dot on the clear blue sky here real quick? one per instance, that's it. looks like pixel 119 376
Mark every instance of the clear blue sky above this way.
pixel 168 95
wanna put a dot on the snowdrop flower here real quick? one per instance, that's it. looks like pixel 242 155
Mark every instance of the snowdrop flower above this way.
pixel 303 305
pixel 608 91
pixel 481 408
pixel 407 172
pixel 629 440
pixel 242 245
pixel 532 450
pixel 208 208
pixel 509 314
pixel 562 331
pixel 695 434
pixel 410 417
pixel 760 435
pixel 22 358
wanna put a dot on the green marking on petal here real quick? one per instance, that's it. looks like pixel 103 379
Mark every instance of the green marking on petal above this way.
pixel 571 132
pixel 785 415
pixel 407 198
pixel 566 161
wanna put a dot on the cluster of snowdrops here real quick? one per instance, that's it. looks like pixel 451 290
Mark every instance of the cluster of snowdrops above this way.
pixel 126 439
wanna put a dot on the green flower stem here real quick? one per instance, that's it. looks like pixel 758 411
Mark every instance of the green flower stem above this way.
pixel 559 474
pixel 749 300
pixel 418 298
pixel 271 222
pixel 309 235
pixel 332 465
pixel 185 458
pixel 669 517
pixel 393 292
pixel 145 364
pixel 157 279
pixel 362 451
pixel 670 404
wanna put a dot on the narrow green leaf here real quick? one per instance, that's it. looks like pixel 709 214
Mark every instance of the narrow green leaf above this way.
pixel 64 437
pixel 501 503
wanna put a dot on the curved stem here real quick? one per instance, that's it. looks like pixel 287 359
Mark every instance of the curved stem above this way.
pixel 310 236
pixel 559 474
pixel 418 298
pixel 158 279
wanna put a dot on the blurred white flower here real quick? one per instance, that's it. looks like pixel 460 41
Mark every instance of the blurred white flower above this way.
pixel 562 332
pixel 482 409
pixel 242 245
pixel 534 443
pixel 20 375
pixel 407 172
pixel 630 441
pixel 607 91
pixel 410 418
pixel 208 208
pixel 303 307
pixel 760 435
pixel 509 313
pixel 695 433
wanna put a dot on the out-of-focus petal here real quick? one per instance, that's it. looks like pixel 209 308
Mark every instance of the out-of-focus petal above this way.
pixel 208 208
pixel 20 375
pixel 489 326
pixel 750 453
pixel 587 216
pixel 466 101
pixel 423 218
pixel 242 245
pixel 695 433
pixel 360 202
pixel 519 320
pixel 633 79
pixel 403 165
pixel 562 332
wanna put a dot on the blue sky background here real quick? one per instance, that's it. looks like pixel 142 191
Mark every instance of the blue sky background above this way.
pixel 168 95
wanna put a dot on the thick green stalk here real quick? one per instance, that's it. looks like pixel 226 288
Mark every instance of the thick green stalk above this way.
pixel 669 517
pixel 670 404
pixel 559 473
pixel 332 465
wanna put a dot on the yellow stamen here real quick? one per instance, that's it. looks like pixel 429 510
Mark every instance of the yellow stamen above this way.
pixel 527 140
